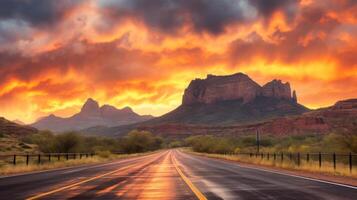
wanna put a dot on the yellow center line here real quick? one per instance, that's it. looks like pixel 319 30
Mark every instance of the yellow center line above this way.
pixel 194 189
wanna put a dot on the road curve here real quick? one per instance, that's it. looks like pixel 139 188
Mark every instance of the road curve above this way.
pixel 167 174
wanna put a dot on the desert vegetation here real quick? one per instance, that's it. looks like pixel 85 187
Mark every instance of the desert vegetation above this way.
pixel 300 152
pixel 45 142
pixel 341 143
pixel 72 142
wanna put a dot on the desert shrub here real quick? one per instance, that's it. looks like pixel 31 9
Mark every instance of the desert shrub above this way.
pixel 67 142
pixel 45 141
pixel 70 142
pixel 104 154
pixel 140 141
pixel 210 144
pixel 334 142
pixel 175 144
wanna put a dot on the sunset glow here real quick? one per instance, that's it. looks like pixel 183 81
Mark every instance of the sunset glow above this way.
pixel 143 55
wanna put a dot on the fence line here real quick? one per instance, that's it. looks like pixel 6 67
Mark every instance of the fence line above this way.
pixel 40 158
pixel 349 159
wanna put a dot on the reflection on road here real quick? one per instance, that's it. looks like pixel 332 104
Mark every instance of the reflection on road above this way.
pixel 152 178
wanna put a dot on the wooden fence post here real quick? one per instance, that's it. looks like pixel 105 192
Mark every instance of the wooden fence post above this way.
pixel 307 157
pixel 350 161
pixel 320 160
pixel 39 159
pixel 14 161
pixel 334 160
pixel 27 159
pixel 298 158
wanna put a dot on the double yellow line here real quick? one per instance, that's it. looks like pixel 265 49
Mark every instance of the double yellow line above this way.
pixel 194 189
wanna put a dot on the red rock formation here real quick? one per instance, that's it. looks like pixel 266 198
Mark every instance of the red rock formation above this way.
pixel 232 87
pixel 338 118
pixel 294 96
pixel 220 88
pixel 277 89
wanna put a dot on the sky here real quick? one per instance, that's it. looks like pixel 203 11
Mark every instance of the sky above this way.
pixel 143 53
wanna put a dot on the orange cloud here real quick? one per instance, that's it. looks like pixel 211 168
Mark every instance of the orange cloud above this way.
pixel 131 58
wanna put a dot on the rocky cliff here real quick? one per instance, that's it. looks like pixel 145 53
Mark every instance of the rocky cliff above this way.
pixel 238 86
pixel 232 99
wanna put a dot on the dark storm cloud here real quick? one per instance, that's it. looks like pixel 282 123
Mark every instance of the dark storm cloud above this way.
pixel 267 8
pixel 203 15
pixel 36 12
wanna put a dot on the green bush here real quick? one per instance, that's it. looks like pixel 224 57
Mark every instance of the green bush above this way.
pixel 334 142
pixel 140 141
pixel 210 144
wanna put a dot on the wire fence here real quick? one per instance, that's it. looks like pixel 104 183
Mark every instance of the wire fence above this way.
pixel 16 159
pixel 329 160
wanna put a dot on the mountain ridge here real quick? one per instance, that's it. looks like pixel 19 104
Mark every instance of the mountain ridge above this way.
pixel 8 127
pixel 230 100
pixel 338 118
pixel 91 114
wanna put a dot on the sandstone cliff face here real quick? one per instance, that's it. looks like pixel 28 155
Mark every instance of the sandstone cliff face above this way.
pixel 277 89
pixel 233 87
pixel 220 88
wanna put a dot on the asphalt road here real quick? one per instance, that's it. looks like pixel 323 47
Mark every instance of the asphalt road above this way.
pixel 168 175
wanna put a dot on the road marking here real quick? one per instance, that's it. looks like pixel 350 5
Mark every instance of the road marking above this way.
pixel 302 177
pixel 81 182
pixel 194 189
pixel 276 172
pixel 82 166
pixel 74 184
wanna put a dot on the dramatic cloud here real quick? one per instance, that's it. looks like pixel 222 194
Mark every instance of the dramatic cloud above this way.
pixel 210 16
pixel 140 53
pixel 36 12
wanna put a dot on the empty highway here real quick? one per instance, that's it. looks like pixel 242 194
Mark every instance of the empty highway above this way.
pixel 169 174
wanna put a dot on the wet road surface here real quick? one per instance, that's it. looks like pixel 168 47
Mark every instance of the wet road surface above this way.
pixel 164 175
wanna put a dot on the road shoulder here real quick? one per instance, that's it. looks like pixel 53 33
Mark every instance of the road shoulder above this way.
pixel 334 179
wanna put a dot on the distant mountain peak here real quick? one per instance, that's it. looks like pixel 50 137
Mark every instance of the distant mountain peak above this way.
pixel 91 115
pixel 90 107
pixel 127 109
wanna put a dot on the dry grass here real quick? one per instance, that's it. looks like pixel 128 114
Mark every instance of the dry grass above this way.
pixel 100 158
pixel 311 166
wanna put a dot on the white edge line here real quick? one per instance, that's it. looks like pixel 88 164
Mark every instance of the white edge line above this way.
pixel 296 176
pixel 302 177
